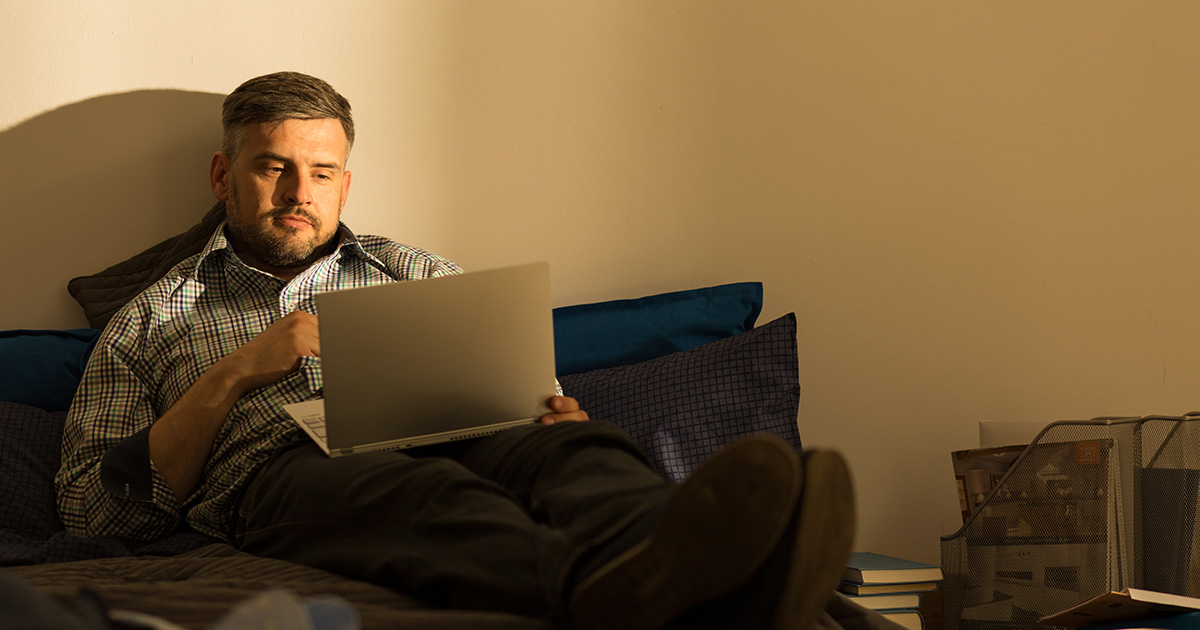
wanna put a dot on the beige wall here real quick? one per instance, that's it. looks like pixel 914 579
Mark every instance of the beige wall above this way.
pixel 978 210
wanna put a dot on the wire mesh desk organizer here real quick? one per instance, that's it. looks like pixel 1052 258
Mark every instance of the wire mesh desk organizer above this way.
pixel 1088 507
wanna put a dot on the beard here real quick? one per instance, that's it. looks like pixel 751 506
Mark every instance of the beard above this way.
pixel 258 238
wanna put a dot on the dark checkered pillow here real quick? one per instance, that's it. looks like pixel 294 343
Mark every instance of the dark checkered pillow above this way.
pixel 683 407
pixel 30 531
pixel 30 446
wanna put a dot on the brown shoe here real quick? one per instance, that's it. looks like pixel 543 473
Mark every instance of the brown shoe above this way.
pixel 715 531
pixel 792 588
pixel 823 536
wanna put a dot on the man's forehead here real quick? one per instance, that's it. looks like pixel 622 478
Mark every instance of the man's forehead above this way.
pixel 316 136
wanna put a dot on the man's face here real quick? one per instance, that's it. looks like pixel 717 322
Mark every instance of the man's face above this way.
pixel 284 193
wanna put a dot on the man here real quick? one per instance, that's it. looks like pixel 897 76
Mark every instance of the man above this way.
pixel 179 423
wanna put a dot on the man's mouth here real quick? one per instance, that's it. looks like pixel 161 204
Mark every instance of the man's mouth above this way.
pixel 293 221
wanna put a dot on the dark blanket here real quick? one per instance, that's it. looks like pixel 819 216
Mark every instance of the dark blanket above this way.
pixel 196 589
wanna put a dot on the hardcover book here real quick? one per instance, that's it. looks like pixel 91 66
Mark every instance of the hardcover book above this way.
pixel 873 568
pixel 850 588
pixel 910 619
pixel 887 601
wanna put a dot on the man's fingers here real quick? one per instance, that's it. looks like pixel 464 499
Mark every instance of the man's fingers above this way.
pixel 566 409
pixel 276 351
pixel 302 329
pixel 564 404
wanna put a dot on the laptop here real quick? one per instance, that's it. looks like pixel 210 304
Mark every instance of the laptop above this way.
pixel 420 362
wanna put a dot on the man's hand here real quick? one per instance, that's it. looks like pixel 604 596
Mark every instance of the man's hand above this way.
pixel 565 409
pixel 276 351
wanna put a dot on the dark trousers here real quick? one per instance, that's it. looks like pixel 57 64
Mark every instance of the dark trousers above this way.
pixel 495 523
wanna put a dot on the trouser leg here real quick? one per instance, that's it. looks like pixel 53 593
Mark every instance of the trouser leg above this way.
pixel 585 479
pixel 425 526
pixel 498 531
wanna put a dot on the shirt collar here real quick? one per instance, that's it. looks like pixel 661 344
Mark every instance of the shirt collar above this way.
pixel 348 244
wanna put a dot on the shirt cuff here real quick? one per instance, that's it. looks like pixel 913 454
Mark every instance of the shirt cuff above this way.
pixel 125 469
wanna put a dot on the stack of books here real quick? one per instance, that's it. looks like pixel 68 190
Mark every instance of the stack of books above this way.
pixel 890 586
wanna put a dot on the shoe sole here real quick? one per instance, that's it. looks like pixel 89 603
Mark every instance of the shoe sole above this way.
pixel 824 537
pixel 715 531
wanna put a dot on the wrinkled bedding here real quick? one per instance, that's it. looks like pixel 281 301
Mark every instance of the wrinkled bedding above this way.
pixel 197 588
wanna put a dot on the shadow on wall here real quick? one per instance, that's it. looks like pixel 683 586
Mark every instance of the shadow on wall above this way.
pixel 94 182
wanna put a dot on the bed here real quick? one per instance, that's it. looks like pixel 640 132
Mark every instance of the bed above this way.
pixel 684 372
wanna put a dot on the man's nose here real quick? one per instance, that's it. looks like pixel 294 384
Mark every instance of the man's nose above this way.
pixel 298 191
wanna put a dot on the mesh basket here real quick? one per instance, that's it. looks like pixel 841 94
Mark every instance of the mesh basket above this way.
pixel 1089 506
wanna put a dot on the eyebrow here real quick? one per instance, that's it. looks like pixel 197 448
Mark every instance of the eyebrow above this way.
pixel 275 157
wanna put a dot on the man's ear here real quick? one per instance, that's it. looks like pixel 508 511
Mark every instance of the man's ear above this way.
pixel 219 172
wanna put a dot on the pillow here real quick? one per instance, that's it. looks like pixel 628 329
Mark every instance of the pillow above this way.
pixel 103 294
pixel 30 530
pixel 43 367
pixel 30 447
pixel 683 407
pixel 621 332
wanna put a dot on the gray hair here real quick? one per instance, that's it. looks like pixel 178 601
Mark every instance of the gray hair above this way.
pixel 277 97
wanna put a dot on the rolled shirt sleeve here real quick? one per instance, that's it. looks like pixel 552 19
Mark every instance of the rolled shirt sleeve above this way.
pixel 125 470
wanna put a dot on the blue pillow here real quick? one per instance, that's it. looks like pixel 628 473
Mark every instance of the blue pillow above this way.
pixel 621 332
pixel 682 408
pixel 42 368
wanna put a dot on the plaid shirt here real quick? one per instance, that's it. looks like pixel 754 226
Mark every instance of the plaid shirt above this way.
pixel 159 344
